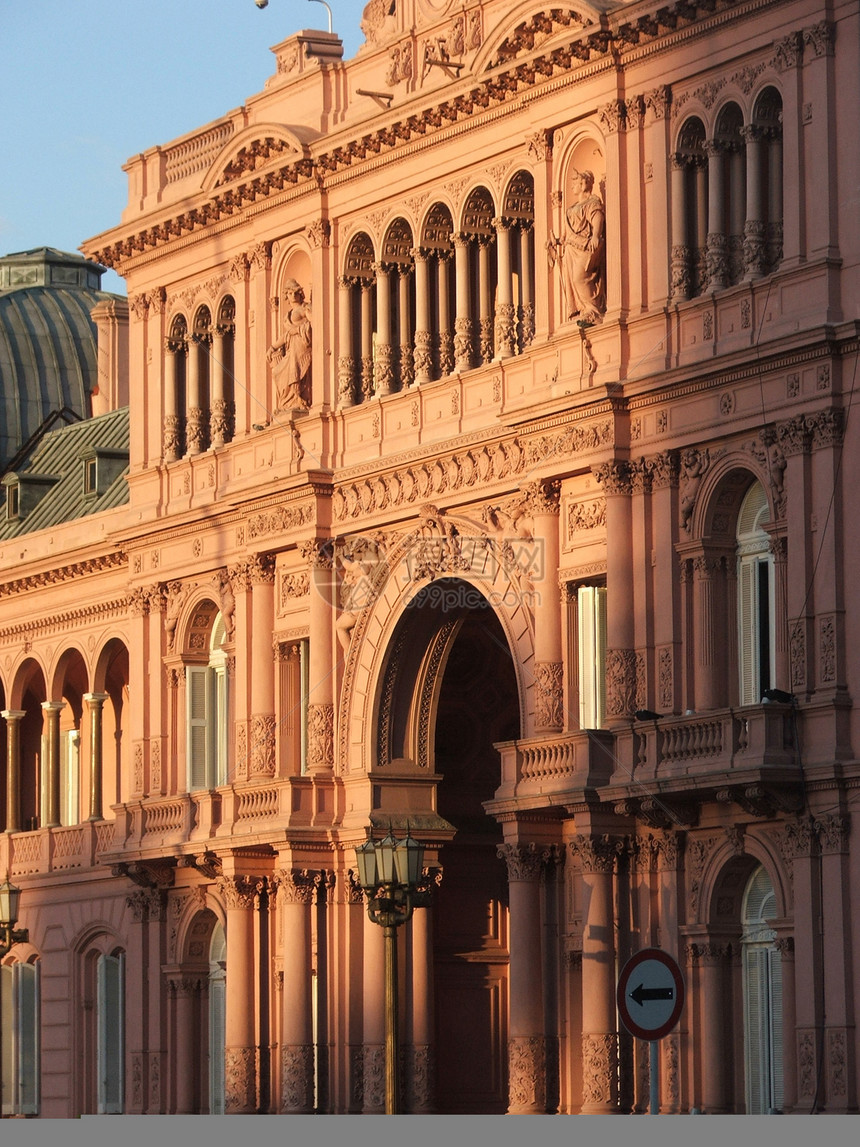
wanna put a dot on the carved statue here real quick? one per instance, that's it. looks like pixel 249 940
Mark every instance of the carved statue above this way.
pixel 694 464
pixel 291 357
pixel 583 252
pixel 228 603
pixel 175 599
pixel 375 17
pixel 361 560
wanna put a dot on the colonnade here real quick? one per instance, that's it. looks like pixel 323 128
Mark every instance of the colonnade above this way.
pixel 198 383
pixel 51 766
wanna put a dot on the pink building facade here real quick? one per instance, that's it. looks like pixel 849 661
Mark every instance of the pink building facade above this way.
pixel 490 473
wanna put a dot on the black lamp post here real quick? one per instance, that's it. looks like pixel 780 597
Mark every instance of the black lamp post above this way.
pixel 389 871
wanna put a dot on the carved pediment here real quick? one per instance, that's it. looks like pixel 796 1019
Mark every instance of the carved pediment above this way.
pixel 257 148
pixel 533 32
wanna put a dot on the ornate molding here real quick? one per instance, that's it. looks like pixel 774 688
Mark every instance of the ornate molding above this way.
pixel 527 1074
pixel 596 854
pixel 320 736
pixel 549 695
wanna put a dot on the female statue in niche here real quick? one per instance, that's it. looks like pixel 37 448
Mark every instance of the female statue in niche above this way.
pixel 582 252
pixel 291 357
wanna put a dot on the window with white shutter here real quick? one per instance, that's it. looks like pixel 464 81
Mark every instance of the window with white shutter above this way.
pixel 756 630
pixel 217 1013
pixel 110 996
pixel 208 716
pixel 19 1008
pixel 762 981
pixel 591 644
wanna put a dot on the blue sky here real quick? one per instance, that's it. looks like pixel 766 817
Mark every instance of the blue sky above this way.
pixel 87 83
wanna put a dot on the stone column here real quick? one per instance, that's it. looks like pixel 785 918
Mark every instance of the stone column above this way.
pixel 754 225
pixel 296 894
pixel 526 1034
pixel 423 356
pixel 194 426
pixel 374 1018
pixel 319 556
pixel 527 283
pixel 681 279
pixel 596 856
pixel 485 300
pixel 261 573
pixel 220 416
pixel 666 585
pixel 446 332
pixel 96 701
pixel 718 268
pixel 288 658
pixel 785 944
pixel 367 289
pixel 346 351
pixel 383 368
pixel 52 710
pixel 420 1067
pixel 548 664
pixel 137 973
pixel 404 317
pixel 13 718
pixel 775 232
pixel 240 1055
pixel 713 958
pixel 172 441
pixel 710 683
pixel 616 480
pixel 700 174
pixel 184 989
pixel 505 314
pixel 464 326
pixel 840 1086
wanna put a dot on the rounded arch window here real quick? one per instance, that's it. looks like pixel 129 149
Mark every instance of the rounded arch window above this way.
pixel 762 978
pixel 756 628
pixel 208 711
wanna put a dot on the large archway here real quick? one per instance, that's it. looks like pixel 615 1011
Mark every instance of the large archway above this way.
pixel 452 695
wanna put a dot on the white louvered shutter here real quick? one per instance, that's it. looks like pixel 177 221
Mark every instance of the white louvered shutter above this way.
pixel 7 1033
pixel 217 993
pixel 111 1036
pixel 197 684
pixel 591 615
pixel 748 633
pixel 27 998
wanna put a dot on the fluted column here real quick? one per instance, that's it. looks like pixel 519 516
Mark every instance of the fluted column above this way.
pixel 700 174
pixel 240 1055
pixel 666 586
pixel 383 368
pixel 261 571
pixel 527 283
pixel 775 199
pixel 464 326
pixel 505 314
pixel 596 856
pixel 172 440
pixel 423 355
pixel 52 710
pixel 754 225
pixel 718 270
pixel 710 648
pixel 681 280
pixel 785 946
pixel 96 701
pixel 184 989
pixel 367 291
pixel 296 894
pixel 346 351
pixel 548 664
pixel 321 663
pixel 527 1038
pixel 13 718
pixel 404 325
pixel 446 331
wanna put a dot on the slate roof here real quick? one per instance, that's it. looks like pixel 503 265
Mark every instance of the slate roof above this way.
pixel 60 455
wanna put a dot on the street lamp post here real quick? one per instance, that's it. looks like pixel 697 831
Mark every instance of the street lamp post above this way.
pixel 389 871
pixel 10 897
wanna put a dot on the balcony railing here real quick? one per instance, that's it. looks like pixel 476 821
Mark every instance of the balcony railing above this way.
pixel 61 849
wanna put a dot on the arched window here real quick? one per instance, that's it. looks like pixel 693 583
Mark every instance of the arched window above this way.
pixel 217 1005
pixel 222 416
pixel 19 1009
pixel 756 644
pixel 689 211
pixel 176 351
pixel 208 719
pixel 767 126
pixel 762 978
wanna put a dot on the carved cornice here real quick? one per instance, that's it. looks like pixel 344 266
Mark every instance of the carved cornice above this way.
pixel 115 560
pixel 562 63
pixel 97 612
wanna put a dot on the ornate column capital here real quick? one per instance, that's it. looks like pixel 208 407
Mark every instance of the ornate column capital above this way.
pixel 297 885
pixel 524 861
pixel 240 892
pixel 615 477
pixel 596 854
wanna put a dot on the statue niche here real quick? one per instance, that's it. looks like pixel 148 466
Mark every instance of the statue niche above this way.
pixel 582 252
pixel 291 357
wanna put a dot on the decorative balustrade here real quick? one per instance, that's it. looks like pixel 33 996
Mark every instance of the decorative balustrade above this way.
pixel 166 817
pixel 54 849
pixel 196 153
pixel 258 803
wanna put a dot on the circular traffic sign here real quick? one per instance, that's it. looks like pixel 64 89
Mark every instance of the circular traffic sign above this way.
pixel 650 994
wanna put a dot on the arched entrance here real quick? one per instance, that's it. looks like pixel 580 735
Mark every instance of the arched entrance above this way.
pixel 449 694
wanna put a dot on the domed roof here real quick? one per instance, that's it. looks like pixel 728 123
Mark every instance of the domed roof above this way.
pixel 48 342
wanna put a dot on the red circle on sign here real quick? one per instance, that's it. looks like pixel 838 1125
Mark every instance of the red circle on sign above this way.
pixel 667 1024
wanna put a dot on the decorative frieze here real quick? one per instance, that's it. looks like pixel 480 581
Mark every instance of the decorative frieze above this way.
pixel 527 1074
pixel 599 1059
pixel 596 854
pixel 549 695
pixel 320 736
